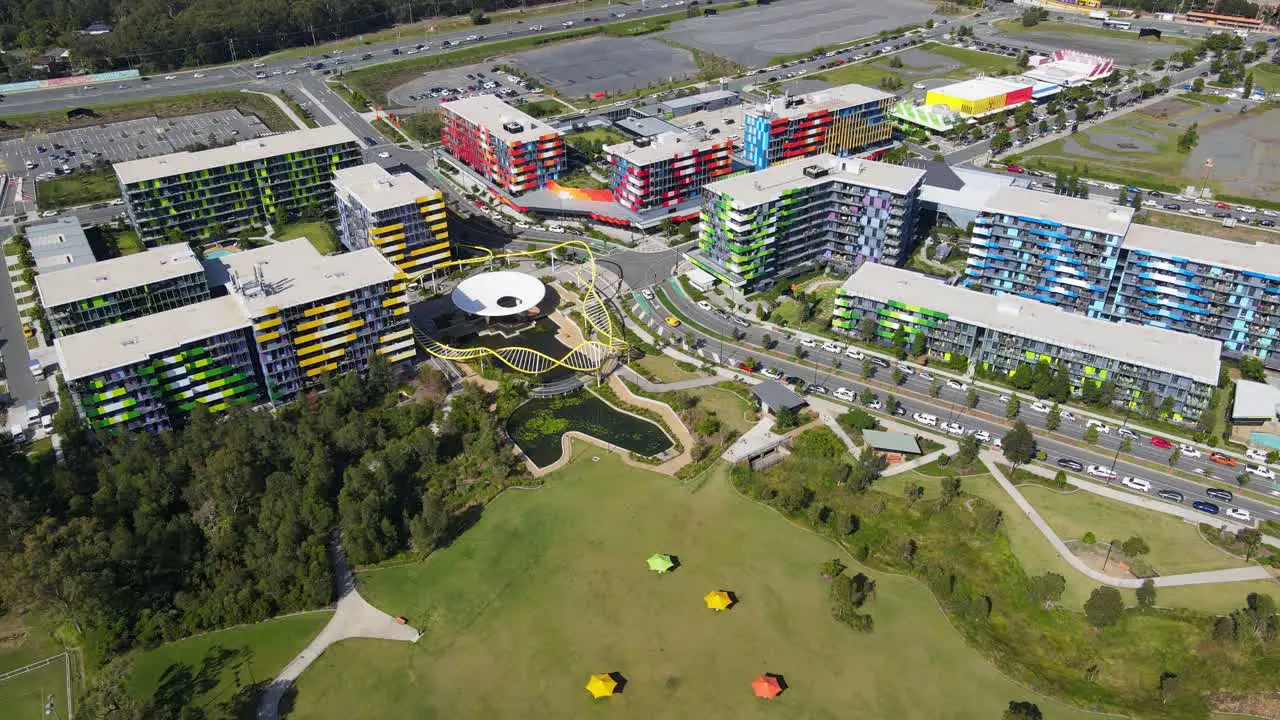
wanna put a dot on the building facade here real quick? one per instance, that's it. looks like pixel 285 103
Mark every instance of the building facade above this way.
pixel 150 372
pixel 509 148
pixel 1055 249
pixel 829 211
pixel 1147 365
pixel 314 315
pixel 242 185
pixel 400 215
pixel 666 170
pixel 91 296
pixel 981 96
pixel 841 121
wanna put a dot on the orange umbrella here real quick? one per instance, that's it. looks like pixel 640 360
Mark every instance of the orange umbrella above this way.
pixel 766 686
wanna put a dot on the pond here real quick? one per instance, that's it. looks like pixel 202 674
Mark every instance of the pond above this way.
pixel 538 425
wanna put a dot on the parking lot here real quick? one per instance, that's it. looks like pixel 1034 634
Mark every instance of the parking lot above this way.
pixel 752 36
pixel 1127 52
pixel 606 64
pixel 50 153
pixel 460 82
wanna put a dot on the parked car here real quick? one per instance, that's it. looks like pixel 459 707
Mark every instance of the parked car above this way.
pixel 1261 471
pixel 1170 495
pixel 1189 450
pixel 1205 507
pixel 1040 407
pixel 1239 514
pixel 1223 459
pixel 925 419
pixel 1071 464
pixel 982 436
pixel 1136 483
pixel 1220 494
pixel 955 385
pixel 819 390
pixel 1255 455
pixel 772 373
pixel 1161 442
pixel 953 428
pixel 1126 432
pixel 844 393
pixel 854 353
pixel 1102 427
pixel 831 347
pixel 1101 471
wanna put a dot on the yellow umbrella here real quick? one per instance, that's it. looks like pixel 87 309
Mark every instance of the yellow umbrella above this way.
pixel 718 600
pixel 601 685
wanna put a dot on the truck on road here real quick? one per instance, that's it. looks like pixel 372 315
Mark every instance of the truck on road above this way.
pixel 37 370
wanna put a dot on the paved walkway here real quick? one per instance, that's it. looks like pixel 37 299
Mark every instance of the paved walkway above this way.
pixel 284 108
pixel 353 618
pixel 1252 572
pixel 647 386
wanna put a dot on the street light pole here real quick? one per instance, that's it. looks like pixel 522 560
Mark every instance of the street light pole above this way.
pixel 1115 458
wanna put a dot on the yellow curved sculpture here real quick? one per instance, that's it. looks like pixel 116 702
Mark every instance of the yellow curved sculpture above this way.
pixel 587 356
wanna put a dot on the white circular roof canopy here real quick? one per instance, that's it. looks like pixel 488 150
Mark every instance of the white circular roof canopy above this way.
pixel 498 294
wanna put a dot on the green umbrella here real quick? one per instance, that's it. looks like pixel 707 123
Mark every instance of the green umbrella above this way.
pixel 661 562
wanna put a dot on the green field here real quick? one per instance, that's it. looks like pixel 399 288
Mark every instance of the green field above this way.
pixel 663 368
pixel 580 177
pixel 544 108
pixel 1266 76
pixel 320 233
pixel 551 585
pixel 860 73
pixel 22 642
pixel 985 62
pixel 80 188
pixel 1176 546
pixel 215 671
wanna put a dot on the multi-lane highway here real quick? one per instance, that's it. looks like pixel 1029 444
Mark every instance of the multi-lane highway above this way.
pixel 712 332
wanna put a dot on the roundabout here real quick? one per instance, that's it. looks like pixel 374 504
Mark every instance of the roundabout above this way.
pixel 510 294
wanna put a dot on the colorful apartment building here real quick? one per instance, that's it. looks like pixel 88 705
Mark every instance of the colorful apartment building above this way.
pixel 842 121
pixel 238 186
pixel 825 211
pixel 314 315
pixel 149 372
pixel 85 297
pixel 666 170
pixel 400 215
pixel 509 148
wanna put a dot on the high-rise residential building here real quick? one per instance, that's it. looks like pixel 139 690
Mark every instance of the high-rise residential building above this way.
pixel 1217 289
pixel 509 148
pixel 314 314
pixel 666 170
pixel 844 120
pixel 838 212
pixel 400 215
pixel 1052 248
pixel 90 296
pixel 249 183
pixel 1148 366
pixel 149 372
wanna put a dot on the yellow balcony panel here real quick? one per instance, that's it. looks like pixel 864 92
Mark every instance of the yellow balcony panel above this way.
pixel 432 248
pixel 267 324
pixel 406 355
pixel 344 302
pixel 400 311
pixel 387 229
pixel 395 335
pixel 440 226
pixel 336 317
pixel 323 368
pixel 393 301
pixel 398 288
pixel 268 337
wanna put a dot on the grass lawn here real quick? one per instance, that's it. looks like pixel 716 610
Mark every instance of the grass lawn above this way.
pixel 580 177
pixel 544 108
pixel 551 585
pixel 80 188
pixel 860 73
pixel 1205 226
pixel 1176 546
pixel 23 642
pixel 733 409
pixel 585 140
pixel 989 63
pixel 664 368
pixel 320 233
pixel 1266 76
pixel 788 311
pixel 211 669
pixel 17 126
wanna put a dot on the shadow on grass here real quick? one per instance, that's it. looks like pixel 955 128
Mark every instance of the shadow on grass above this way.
pixel 184 689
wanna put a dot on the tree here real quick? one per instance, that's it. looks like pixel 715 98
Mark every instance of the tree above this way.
pixel 1251 368
pixel 935 388
pixel 1023 377
pixel 1147 593
pixel 968 450
pixel 1188 140
pixel 900 342
pixel 1053 419
pixel 1174 457
pixel 1091 434
pixel 1136 202
pixel 1126 444
pixel 971 398
pixel 950 489
pixel 1018 445
pixel 427 529
pixel 1048 588
pixel 867 329
pixel 1013 407
pixel 866 396
pixel 1248 85
pixel 477 16
pixel 1123 197
pixel 898 376
pixel 1251 538
pixel 919 344
pixel 868 368
pixel 1022 710
pixel 866 470
pixel 1104 606
pixel 1135 546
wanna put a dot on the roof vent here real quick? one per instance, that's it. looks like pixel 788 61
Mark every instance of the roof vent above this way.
pixel 512 126
pixel 642 142
pixel 101 278
pixel 129 341
pixel 1009 308
pixel 791 102
pixel 816 171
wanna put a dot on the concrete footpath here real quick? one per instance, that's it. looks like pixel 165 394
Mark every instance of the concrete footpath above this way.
pixel 1252 572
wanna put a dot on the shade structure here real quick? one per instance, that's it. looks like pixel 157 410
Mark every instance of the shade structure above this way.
pixel 766 686
pixel 718 600
pixel 601 685
pixel 661 562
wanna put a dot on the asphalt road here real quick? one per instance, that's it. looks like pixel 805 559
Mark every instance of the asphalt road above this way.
pixel 949 407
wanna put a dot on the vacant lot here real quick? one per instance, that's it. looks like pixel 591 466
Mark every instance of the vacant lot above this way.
pixel 606 64
pixel 81 188
pixel 320 233
pixel 1125 47
pixel 1204 226
pixel 929 62
pixel 551 585
pixel 15 126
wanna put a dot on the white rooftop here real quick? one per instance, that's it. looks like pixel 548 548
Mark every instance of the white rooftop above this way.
pixel 665 146
pixel 371 186
pixel 294 273
pixel 1260 257
pixel 491 113
pixel 1255 400
pixel 498 294
pixel 1178 353
pixel 834 98
pixel 108 276
pixel 59 244
pixel 1096 215
pixel 765 185
pixel 981 88
pixel 111 346
pixel 162 166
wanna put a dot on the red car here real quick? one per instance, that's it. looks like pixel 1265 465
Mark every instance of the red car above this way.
pixel 1161 442
pixel 1223 459
pixel 1221 205
pixel 1015 168
pixel 745 368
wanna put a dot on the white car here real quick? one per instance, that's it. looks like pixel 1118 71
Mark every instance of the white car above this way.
pixel 876 404
pixel 982 436
pixel 1261 471
pixel 1101 471
pixel 259 64
pixel 647 293
pixel 833 348
pixel 1040 407
pixel 1126 432
pixel 925 419
pixel 1197 211
pixel 198 75
pixel 1069 416
pixel 906 370
pixel 1136 483
pixel 854 353
pixel 1189 450
pixel 523 225
pixel 384 154
pixel 809 342
pixel 1239 514
pixel 290 72
pixel 772 373
pixel 1004 398
pixel 844 393
pixel 170 77
pixel 953 428
pixel 704 305
pixel 556 229
pixel 1103 428
pixel 1255 455
pixel 955 385
pixel 925 375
